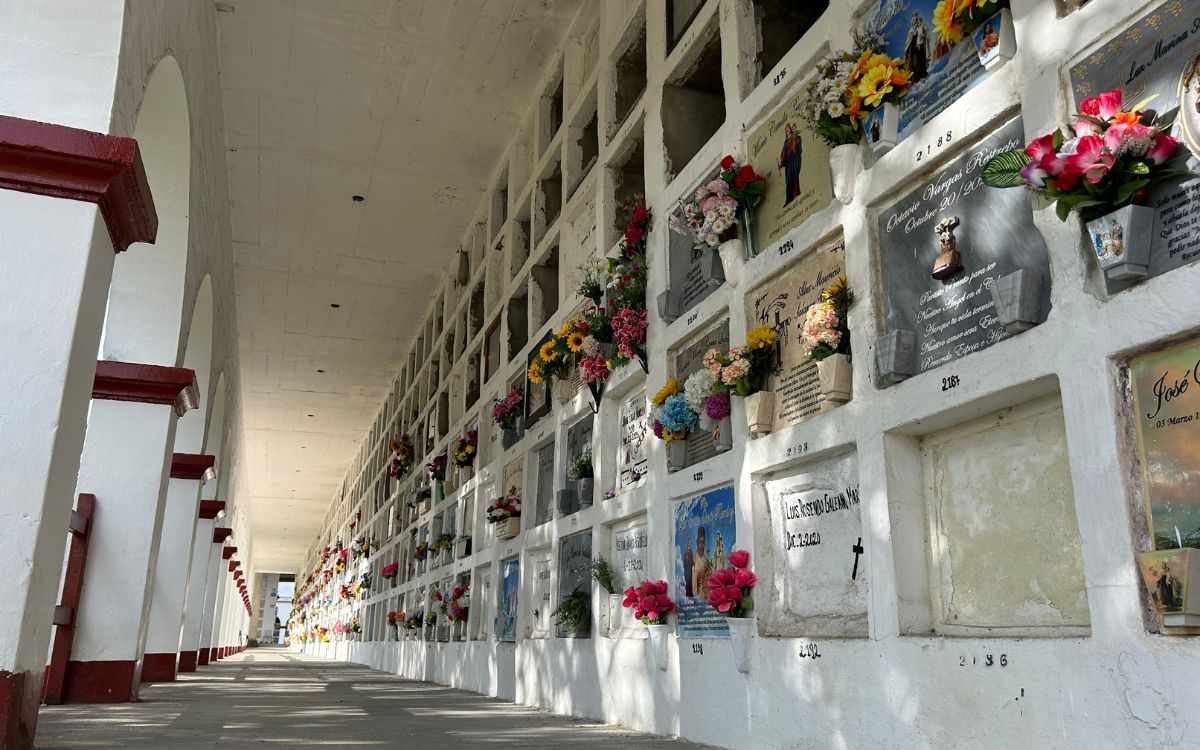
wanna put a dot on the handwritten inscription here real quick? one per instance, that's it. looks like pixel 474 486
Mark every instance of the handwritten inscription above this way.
pixel 809 651
pixel 779 78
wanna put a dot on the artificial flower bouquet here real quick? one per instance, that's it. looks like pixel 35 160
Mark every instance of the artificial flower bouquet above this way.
pixel 395 619
pixel 437 468
pixel 390 570
pixel 460 600
pixel 421 551
pixel 413 622
pixel 466 449
pixel 1109 157
pixel 743 370
pixel 850 85
pixel 402 455
pixel 953 20
pixel 580 467
pixel 711 217
pixel 442 542
pixel 673 417
pixel 729 588
pixel 650 602
pixel 826 331
pixel 504 509
pixel 506 411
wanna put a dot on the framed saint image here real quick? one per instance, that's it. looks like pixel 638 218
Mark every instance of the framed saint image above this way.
pixel 1189 106
pixel 1165 575
pixel 705 534
pixel 506 618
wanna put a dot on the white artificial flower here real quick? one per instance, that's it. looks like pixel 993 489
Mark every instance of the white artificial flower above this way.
pixel 697 388
pixel 836 110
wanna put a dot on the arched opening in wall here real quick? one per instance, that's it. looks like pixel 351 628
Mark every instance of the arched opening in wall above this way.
pixel 215 441
pixel 197 357
pixel 145 302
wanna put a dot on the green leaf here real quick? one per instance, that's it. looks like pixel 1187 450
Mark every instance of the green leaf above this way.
pixel 1126 191
pixel 1063 209
pixel 1138 167
pixel 1004 169
pixel 1142 104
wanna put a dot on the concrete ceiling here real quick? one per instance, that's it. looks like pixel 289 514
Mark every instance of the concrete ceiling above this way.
pixel 407 103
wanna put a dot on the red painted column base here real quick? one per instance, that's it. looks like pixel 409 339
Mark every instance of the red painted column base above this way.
pixel 187 661
pixel 158 668
pixel 100 682
pixel 20 695
pixel 202 657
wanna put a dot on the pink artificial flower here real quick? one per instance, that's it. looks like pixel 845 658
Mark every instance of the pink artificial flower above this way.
pixel 1085 127
pixel 1162 148
pixel 1043 154
pixel 739 558
pixel 1130 138
pixel 743 578
pixel 1091 159
pixel 1103 106
pixel 721 578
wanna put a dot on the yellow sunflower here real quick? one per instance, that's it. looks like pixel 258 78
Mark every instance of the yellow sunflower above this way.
pixel 761 337
pixel 535 373
pixel 880 81
pixel 668 434
pixel 547 352
pixel 837 287
pixel 670 388
pixel 947 21
pixel 575 342
pixel 566 327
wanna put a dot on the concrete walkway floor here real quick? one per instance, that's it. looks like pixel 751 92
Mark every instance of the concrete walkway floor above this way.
pixel 268 696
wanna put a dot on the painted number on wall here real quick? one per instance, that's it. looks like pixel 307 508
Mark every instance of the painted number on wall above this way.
pixel 698 649
pixel 950 383
pixel 944 140
pixel 809 651
pixel 987 660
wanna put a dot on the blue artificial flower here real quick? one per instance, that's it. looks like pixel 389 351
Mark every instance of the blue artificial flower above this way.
pixel 677 416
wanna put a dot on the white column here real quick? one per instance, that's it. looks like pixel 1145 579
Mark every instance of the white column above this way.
pixel 163 655
pixel 212 602
pixel 202 549
pixel 126 459
pixel 57 267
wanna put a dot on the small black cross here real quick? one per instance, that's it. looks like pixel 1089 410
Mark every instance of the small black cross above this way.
pixel 858 550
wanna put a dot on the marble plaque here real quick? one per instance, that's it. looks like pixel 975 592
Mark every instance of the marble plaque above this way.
pixel 995 236
pixel 705 534
pixel 815 566
pixel 630 541
pixel 487 602
pixel 686 263
pixel 510 585
pixel 1149 58
pixel 796 164
pixel 690 359
pixel 782 304
pixel 943 68
pixel 1166 400
pixel 541 599
pixel 545 485
pixel 574 570
pixel 633 418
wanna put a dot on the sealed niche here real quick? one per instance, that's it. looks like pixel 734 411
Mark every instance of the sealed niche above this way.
pixel 700 444
pixel 811 552
pixel 705 534
pixel 1005 552
pixel 1166 402
pixel 957 257
pixel 633 424
pixel 796 164
pixel 510 585
pixel 541 595
pixel 574 582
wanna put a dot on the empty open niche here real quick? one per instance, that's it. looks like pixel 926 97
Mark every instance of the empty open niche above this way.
pixel 522 242
pixel 474 382
pixel 476 309
pixel 680 14
pixel 693 106
pixel 443 413
pixel 589 147
pixel 518 321
pixel 781 23
pixel 550 190
pixel 553 109
pixel 500 206
pixel 491 350
pixel 544 289
pixel 629 180
pixel 630 77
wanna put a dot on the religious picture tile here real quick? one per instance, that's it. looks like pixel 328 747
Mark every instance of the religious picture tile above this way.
pixel 1166 398
pixel 705 534
pixel 633 424
pixel 945 243
pixel 510 585
pixel 1159 56
pixel 782 304
pixel 944 63
pixel 796 164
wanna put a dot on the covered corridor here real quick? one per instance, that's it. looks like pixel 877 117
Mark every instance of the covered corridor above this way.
pixel 268 696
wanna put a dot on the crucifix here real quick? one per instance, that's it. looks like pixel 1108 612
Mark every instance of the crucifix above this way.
pixel 857 548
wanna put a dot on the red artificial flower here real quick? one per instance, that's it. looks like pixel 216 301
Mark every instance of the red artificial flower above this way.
pixel 745 176
pixel 1103 106
pixel 739 558
pixel 634 234
pixel 641 214
pixel 727 162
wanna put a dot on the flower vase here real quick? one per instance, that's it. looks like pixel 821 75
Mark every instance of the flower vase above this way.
pixel 508 528
pixel 676 454
pixel 439 490
pixel 760 412
pixel 564 390
pixel 426 505
pixel 996 40
pixel 723 434
pixel 614 613
pixel 733 260
pixel 586 487
pixel 845 163
pixel 465 474
pixel 463 546
pixel 1121 241
pixel 896 356
pixel 658 645
pixel 741 630
pixel 1018 300
pixel 835 374
pixel 882 128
